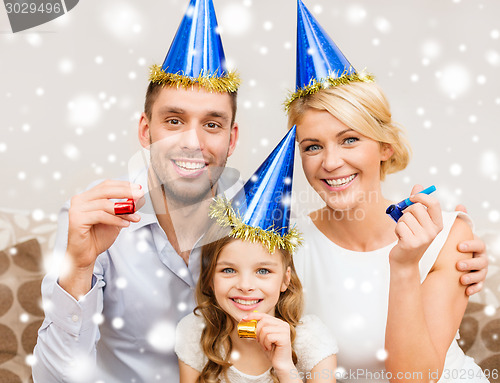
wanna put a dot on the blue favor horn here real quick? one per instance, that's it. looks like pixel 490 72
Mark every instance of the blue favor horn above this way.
pixel 196 55
pixel 396 211
pixel 260 211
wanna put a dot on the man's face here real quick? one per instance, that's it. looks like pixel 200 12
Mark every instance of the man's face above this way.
pixel 190 138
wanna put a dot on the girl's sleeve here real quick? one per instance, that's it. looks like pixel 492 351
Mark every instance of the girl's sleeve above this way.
pixel 187 341
pixel 313 343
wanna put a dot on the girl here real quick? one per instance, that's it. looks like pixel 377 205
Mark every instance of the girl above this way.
pixel 247 273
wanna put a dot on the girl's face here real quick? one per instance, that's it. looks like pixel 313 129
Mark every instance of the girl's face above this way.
pixel 342 165
pixel 248 278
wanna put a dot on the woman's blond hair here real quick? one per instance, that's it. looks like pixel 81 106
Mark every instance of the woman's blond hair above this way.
pixel 364 108
pixel 215 338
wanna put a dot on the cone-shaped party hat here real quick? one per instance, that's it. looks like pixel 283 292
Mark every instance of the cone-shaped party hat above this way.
pixel 260 211
pixel 320 63
pixel 196 56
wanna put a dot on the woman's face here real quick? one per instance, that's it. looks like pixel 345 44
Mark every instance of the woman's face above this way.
pixel 342 165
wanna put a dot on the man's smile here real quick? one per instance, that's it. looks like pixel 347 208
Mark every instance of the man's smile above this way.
pixel 189 168
pixel 190 165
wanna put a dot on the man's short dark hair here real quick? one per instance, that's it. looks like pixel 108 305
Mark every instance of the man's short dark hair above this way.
pixel 154 89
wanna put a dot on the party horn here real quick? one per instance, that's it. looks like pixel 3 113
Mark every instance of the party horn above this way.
pixel 125 207
pixel 247 329
pixel 396 211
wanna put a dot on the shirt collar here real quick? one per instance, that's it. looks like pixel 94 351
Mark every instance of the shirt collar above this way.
pixel 228 184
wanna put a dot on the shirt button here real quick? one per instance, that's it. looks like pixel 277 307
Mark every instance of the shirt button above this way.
pixel 75 318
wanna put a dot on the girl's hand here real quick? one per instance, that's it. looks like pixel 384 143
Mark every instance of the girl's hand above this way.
pixel 273 335
pixel 417 228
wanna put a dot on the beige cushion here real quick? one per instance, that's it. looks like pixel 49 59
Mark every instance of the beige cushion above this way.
pixel 23 241
pixel 480 338
pixel 21 313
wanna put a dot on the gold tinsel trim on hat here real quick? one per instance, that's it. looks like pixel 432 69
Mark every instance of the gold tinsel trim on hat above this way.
pixel 211 82
pixel 329 82
pixel 223 212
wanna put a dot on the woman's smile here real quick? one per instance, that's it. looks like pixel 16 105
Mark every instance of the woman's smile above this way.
pixel 340 183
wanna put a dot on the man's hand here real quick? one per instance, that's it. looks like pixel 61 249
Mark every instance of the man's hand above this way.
pixel 93 227
pixel 477 265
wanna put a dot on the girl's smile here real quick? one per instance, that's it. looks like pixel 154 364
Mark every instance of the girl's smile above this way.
pixel 245 303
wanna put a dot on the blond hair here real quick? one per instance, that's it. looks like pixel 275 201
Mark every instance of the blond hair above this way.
pixel 215 338
pixel 364 108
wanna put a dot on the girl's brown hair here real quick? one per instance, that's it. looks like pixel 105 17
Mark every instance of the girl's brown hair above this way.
pixel 215 338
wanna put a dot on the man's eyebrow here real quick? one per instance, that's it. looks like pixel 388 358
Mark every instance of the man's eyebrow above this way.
pixel 176 110
pixel 217 114
pixel 171 109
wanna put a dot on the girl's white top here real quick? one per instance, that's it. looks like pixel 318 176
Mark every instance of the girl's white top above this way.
pixel 313 343
pixel 349 292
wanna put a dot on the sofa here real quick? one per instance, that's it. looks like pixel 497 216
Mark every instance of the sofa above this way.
pixel 26 240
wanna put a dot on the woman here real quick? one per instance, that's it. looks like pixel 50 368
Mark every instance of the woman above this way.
pixel 389 291
pixel 362 272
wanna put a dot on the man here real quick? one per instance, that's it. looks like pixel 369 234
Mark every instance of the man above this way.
pixel 127 280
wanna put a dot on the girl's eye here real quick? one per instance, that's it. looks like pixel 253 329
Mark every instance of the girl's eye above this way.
pixel 311 148
pixel 263 271
pixel 350 140
pixel 228 270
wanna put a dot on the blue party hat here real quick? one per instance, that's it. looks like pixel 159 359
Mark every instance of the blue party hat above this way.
pixel 320 63
pixel 196 56
pixel 260 211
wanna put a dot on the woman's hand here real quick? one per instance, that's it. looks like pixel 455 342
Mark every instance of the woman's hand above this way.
pixel 416 229
pixel 273 335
